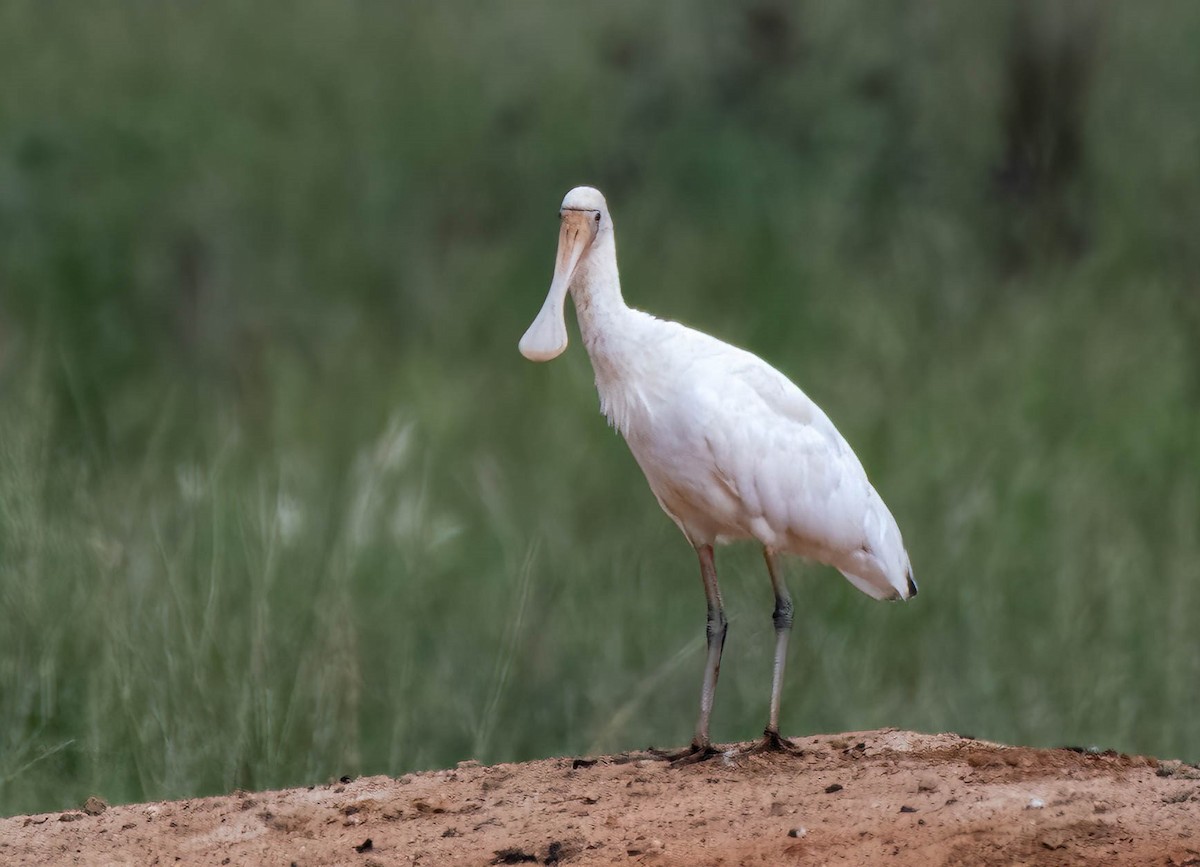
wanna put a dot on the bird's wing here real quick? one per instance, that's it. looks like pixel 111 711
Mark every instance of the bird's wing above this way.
pixel 800 483
pixel 732 448
pixel 785 399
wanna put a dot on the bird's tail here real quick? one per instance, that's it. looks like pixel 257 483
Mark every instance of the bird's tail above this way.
pixel 881 569
pixel 866 574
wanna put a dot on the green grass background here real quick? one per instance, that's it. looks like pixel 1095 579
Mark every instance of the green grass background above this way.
pixel 280 501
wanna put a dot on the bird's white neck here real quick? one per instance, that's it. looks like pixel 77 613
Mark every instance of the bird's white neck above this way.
pixel 596 291
pixel 605 323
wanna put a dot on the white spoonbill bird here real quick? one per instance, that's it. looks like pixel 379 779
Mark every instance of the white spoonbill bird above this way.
pixel 731 448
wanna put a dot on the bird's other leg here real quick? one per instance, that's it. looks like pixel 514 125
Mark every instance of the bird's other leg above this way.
pixel 717 626
pixel 701 747
pixel 783 630
pixel 782 617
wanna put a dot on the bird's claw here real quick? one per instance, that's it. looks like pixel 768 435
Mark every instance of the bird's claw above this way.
pixel 694 755
pixel 689 755
pixel 773 742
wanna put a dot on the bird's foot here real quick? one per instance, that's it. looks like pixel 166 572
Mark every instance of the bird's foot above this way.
pixel 694 755
pixel 689 755
pixel 772 742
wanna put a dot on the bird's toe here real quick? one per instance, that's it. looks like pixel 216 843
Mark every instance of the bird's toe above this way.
pixel 695 754
pixel 773 742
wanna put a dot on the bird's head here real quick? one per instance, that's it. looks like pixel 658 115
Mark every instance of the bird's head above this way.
pixel 584 214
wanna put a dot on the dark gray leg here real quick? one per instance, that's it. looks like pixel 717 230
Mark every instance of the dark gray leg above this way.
pixel 701 747
pixel 717 627
pixel 783 629
pixel 771 741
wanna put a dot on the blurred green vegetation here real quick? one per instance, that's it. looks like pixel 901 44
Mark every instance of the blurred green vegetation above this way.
pixel 279 500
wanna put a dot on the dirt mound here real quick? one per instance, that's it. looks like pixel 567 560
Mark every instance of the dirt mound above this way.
pixel 863 798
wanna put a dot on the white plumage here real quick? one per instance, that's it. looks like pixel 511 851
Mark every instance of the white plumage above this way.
pixel 731 448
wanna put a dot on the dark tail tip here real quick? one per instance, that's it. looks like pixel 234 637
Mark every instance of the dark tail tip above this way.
pixel 912 585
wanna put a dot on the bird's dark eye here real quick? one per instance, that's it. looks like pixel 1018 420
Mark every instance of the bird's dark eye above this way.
pixel 597 216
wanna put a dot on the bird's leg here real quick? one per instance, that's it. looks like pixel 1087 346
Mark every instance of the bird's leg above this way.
pixel 771 741
pixel 716 629
pixel 782 617
pixel 701 747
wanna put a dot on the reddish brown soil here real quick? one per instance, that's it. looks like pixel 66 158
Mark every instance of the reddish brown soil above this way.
pixel 865 798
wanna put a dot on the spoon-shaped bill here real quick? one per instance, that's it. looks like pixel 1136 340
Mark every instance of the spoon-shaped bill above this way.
pixel 546 338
